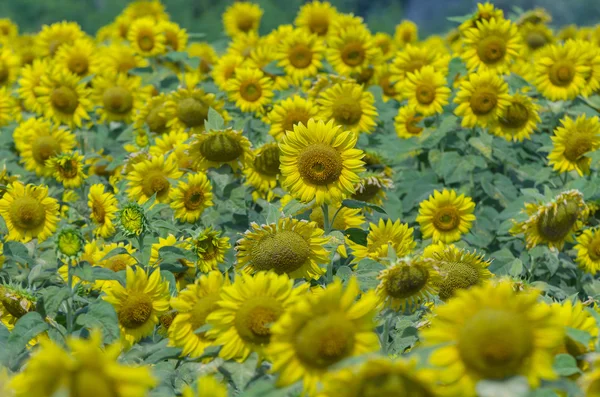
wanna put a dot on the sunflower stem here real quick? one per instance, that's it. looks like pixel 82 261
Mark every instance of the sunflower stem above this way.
pixel 335 215
pixel 326 223
pixel 70 299
pixel 563 178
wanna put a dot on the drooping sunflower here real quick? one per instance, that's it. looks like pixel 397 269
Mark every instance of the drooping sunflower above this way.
pixel 291 246
pixel 153 115
pixel 146 38
pixel 67 168
pixel 588 250
pixel 491 45
pixel 52 37
pixel 15 302
pixel 381 237
pixel 289 112
pixel 481 99
pixel 120 58
pixel 139 303
pixel 241 18
pixel 185 110
pixel 352 50
pixel 552 223
pixel 80 58
pixel 30 78
pixel 408 283
pixel 446 216
pixel 406 121
pixel 263 173
pixel 572 141
pixel 426 90
pixel 193 305
pixel 534 37
pixel 64 98
pixel 575 316
pixel 103 207
pixel 247 308
pixel 28 212
pixel 321 330
pixel 319 162
pixel 151 177
pixel 316 17
pixel 250 89
pixel 207 386
pixel 214 149
pixel 518 120
pixel 560 71
pixel 350 106
pixel 191 197
pixel 118 97
pixel 300 55
pixel 372 187
pixel 492 332
pixel 210 248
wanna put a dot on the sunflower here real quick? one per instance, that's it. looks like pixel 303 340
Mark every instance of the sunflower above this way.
pixel 576 316
pixel 15 302
pixel 351 50
pixel 492 332
pixel 383 77
pixel 176 38
pixel 552 223
pixel 300 55
pixel 8 29
pixel 9 67
pixel 350 106
pixel 263 173
pixel 518 120
pixel 320 162
pixel 168 142
pixel 560 71
pixel 190 198
pixel 153 115
pixel 152 177
pixel 572 141
pixel 288 112
pixel 321 330
pixel 185 110
pixel 250 89
pixel 534 37
pixel 224 69
pixel 381 237
pixel 28 212
pixel 79 58
pixel 207 386
pixel 379 376
pixel 9 109
pixel 485 12
pixel 406 122
pixel 120 58
pixel 247 308
pixel 406 32
pixel 413 58
pixel 592 79
pixel 146 37
pixel 183 277
pixel 482 98
pixel 64 97
pixel 119 97
pixel 207 54
pixel 242 18
pixel 139 303
pixel 446 216
pixel 67 168
pixel 316 17
pixel 193 305
pixel 261 56
pixel 153 9
pixel 217 148
pixel 116 262
pixel 290 246
pixel 342 219
pixel 103 207
pixel 210 248
pixel 30 78
pixel 372 187
pixel 588 251
pixel 52 37
pixel 426 90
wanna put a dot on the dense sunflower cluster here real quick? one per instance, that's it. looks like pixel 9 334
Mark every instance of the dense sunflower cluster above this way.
pixel 319 210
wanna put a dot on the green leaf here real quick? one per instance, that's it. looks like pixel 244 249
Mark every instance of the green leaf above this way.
pixel 359 236
pixel 241 373
pixel 295 207
pixel 175 56
pixel 366 273
pixel 348 203
pixel 579 336
pixel 101 315
pixel 516 267
pixel 214 121
pixel 273 69
pixel 173 255
pixel 27 327
pixel 53 297
pixel 565 365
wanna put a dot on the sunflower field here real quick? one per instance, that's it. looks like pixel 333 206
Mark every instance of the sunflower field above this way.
pixel 323 210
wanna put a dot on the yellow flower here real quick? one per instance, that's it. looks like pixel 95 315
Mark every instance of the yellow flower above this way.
pixel 184 110
pixel 535 37
pixel 30 78
pixel 80 58
pixel 381 237
pixel 120 58
pixel 446 216
pixel 225 67
pixel 210 248
pixel 146 38
pixel 316 17
pixel 9 109
pixel 300 55
pixel 485 12
pixel 247 308
pixel 151 177
pixel 217 148
pixel 103 207
pixel 28 212
pixel 67 168
pixel 426 90
pixel 588 251
pixel 572 141
pixel 206 53
pixel 263 173
pixel 560 71
pixel 139 303
pixel 153 115
pixel 492 332
pixel 168 142
pixel 207 386
pixel 15 302
pixel 481 100
pixel 193 305
pixel 318 162
pixel 321 330
pixel 406 121
pixel 407 32
pixel 152 9
pixel 351 50
pixel 576 316
pixel 190 198
pixel 592 79
pixel 413 58
pixel 518 120
pixel 383 78
pixel 350 106
pixel 52 37
pixel 289 112
pixel 87 368
pixel 175 37
pixel 345 218
pixel 372 187
pixel 241 18
pixel 118 97
pixel 8 29
pixel 289 246
pixel 9 67
pixel 250 89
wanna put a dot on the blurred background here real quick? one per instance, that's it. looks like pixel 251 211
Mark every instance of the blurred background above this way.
pixel 204 16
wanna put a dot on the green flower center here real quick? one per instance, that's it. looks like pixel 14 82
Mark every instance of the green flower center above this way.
pixel 457 275
pixel 389 384
pixel 536 40
pixel 556 225
pixel 27 213
pixel 320 164
pixel 78 64
pixel 516 116
pixel 491 50
pixel 250 91
pixel 221 148
pixel 156 122
pixel 425 94
pixel 254 318
pixel 300 56
pixel 117 100
pixel 483 102
pixel 562 73
pixel 284 252
pixel 146 42
pixel 347 111
pixel 192 112
pixel 576 146
pixel 267 163
pixel 43 148
pixel 405 281
pixel 64 99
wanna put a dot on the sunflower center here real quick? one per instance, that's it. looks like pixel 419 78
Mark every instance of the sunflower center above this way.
pixel 117 100
pixel 193 198
pixel 284 252
pixel 91 381
pixel 319 24
pixel 300 56
pixel 457 275
pixel 156 122
pixel 69 169
pixel 483 102
pixel 254 318
pixel 353 54
pixel 320 164
pixel 146 42
pixel 135 310
pixel 221 148
pixel 78 64
pixel 594 249
pixel 294 117
pixel 325 340
pixel 367 193
pixel 192 112
pixel 250 91
pixel 172 40
pixel 268 162
pixel 64 99
pixel 118 262
pixel 414 65
pixel 155 182
pixel 446 219
pixel 387 86
pixel 43 148
pixel 491 50
pixel 3 73
pixel 202 309
pixel 562 74
pixel 495 343
pixel 412 127
pixel 405 281
pixel 98 211
pixel 245 22
pixel 555 225
pixel 576 147
pixel 27 213
pixel 390 384
pixel 425 94
pixel 347 111
pixel 536 40
pixel 516 116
